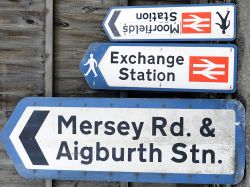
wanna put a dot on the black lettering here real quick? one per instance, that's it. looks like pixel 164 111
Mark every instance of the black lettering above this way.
pixel 132 73
pixel 204 156
pixel 114 56
pixel 171 76
pixel 139 16
pixel 123 128
pixel 161 76
pixel 153 150
pixel 141 57
pixel 76 150
pixel 179 152
pixel 114 154
pixel 130 59
pixel 194 150
pixel 170 60
pixel 137 130
pixel 87 155
pixel 130 151
pixel 61 120
pixel 124 60
pixel 109 127
pixel 173 16
pixel 179 60
pixel 156 125
pixel 100 149
pixel 63 146
pixel 123 72
pixel 125 28
pixel 149 73
pixel 141 149
pixel 84 126
pixel 177 126
pixel 160 58
pixel 97 124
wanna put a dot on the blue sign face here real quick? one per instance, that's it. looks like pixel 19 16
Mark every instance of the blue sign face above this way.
pixel 158 140
pixel 207 22
pixel 161 67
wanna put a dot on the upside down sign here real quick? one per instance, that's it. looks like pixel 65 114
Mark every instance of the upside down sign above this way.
pixel 183 22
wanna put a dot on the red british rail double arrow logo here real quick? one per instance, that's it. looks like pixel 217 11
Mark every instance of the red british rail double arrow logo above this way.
pixel 196 22
pixel 208 69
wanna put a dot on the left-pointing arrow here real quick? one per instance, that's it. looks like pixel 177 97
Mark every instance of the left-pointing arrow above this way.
pixel 27 137
pixel 112 23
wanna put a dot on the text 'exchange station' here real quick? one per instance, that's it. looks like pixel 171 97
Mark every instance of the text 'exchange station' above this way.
pixel 160 67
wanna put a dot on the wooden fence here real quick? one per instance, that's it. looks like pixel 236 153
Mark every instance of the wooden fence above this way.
pixel 41 44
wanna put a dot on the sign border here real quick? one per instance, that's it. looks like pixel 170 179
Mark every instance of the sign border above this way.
pixel 103 47
pixel 131 103
pixel 162 6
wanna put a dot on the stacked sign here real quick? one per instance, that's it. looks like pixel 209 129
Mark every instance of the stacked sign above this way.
pixel 167 67
pixel 164 23
pixel 142 140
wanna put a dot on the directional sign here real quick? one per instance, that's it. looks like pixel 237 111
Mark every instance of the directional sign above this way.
pixel 161 67
pixel 141 140
pixel 185 22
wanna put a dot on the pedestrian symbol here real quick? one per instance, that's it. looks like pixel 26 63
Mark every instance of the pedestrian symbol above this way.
pixel 223 25
pixel 92 64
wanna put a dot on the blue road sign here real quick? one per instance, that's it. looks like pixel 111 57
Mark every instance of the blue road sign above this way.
pixel 158 140
pixel 161 67
pixel 207 22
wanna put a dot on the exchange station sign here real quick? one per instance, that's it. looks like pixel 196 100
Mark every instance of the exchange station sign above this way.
pixel 159 140
pixel 162 67
pixel 184 22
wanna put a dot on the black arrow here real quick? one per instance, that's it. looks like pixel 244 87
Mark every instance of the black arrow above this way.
pixel 28 140
pixel 112 23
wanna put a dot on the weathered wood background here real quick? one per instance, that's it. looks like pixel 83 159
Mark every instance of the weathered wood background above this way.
pixel 25 64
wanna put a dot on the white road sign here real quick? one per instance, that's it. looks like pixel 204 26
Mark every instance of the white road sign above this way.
pixel 164 67
pixel 183 22
pixel 174 137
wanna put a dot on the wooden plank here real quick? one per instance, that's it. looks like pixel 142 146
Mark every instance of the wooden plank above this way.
pixel 77 24
pixel 86 6
pixel 21 38
pixel 21 68
pixel 21 55
pixel 92 21
pixel 48 78
pixel 198 1
pixel 21 19
pixel 27 5
pixel 85 184
pixel 69 55
pixel 158 2
pixel 49 49
pixel 7 104
pixel 9 177
pixel 151 184
pixel 77 87
pixel 71 39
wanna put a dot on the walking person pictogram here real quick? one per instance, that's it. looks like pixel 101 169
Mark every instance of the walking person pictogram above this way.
pixel 92 64
pixel 223 24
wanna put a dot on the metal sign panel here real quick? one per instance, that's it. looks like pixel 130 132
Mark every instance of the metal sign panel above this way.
pixel 208 22
pixel 161 67
pixel 158 140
